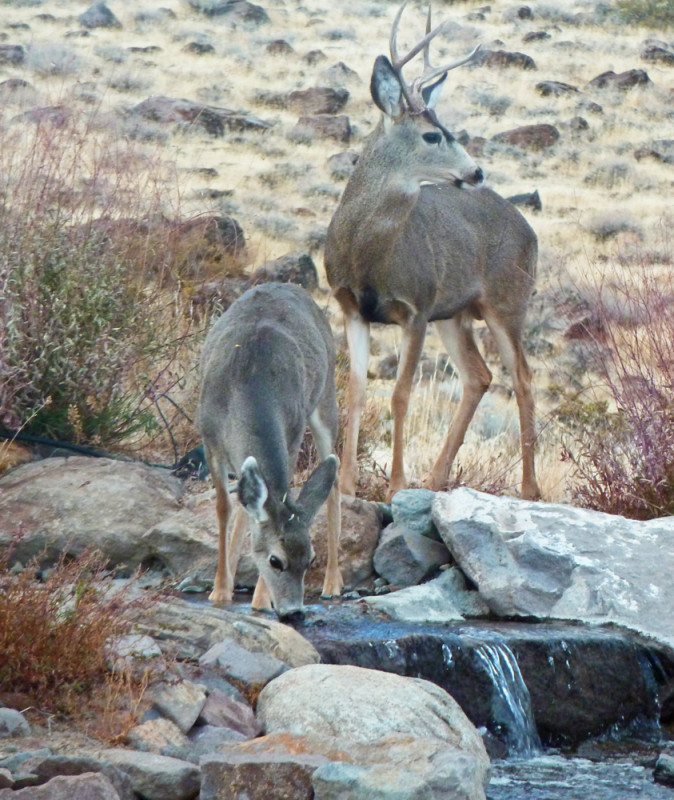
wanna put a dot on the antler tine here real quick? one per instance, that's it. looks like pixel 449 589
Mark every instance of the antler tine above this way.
pixel 431 72
pixel 398 61
pixel 427 49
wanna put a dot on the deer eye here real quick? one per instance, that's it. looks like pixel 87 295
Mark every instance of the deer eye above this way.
pixel 276 563
pixel 432 137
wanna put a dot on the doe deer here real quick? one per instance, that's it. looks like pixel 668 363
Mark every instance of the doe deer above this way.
pixel 268 370
pixel 409 244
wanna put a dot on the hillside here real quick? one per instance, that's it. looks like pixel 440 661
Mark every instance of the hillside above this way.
pixel 604 274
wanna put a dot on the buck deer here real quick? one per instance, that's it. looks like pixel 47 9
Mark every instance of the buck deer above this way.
pixel 409 245
pixel 268 367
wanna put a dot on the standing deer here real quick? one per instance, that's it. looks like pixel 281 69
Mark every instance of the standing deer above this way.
pixel 409 245
pixel 268 368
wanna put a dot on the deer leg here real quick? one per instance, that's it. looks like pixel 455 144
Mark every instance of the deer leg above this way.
pixel 414 334
pixel 324 440
pixel 512 355
pixel 223 586
pixel 358 340
pixel 457 336
pixel 261 597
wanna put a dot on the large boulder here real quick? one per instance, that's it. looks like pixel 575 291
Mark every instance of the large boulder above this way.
pixel 553 561
pixel 67 505
pixel 376 718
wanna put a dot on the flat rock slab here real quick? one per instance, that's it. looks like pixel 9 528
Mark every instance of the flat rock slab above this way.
pixel 554 561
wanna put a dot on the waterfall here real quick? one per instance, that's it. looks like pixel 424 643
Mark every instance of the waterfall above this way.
pixel 512 704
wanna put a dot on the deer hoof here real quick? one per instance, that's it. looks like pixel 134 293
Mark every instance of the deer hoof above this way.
pixel 220 598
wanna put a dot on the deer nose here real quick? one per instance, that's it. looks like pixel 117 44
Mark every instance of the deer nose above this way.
pixel 293 617
pixel 476 178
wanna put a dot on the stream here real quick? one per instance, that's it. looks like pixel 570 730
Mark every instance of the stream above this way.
pixel 566 711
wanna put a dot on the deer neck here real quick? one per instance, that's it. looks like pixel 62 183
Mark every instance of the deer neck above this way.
pixel 379 197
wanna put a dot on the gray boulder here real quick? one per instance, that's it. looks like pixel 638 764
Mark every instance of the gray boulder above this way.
pixel 99 16
pixel 553 561
pixel 66 505
pixel 13 724
pixel 405 558
pixel 445 599
pixel 156 777
pixel 373 718
pixel 89 786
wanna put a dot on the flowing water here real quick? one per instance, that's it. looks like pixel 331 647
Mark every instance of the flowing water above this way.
pixel 475 663
pixel 520 735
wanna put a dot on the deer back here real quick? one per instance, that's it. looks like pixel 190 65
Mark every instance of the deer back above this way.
pixel 267 363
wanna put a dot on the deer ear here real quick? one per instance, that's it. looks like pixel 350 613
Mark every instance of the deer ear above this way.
pixel 253 490
pixel 385 88
pixel 317 488
pixel 431 94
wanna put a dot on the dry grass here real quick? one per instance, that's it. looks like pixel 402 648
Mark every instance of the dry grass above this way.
pixel 55 635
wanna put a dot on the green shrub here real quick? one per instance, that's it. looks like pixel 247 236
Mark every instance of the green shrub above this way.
pixel 88 322
pixel 651 13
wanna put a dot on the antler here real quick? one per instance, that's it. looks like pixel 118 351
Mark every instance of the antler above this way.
pixel 412 92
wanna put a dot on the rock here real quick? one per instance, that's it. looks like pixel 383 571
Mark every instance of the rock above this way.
pixel 444 599
pixel 622 81
pixel 341 165
pixel 361 526
pixel 500 59
pixel 529 137
pixel 90 786
pixel 157 736
pixel 406 558
pixel 411 510
pixel 185 543
pixel 318 100
pixel 380 718
pixel 188 631
pixel 323 126
pixel 659 150
pixel 13 724
pixel 297 267
pixel 555 88
pixel 99 16
pixel 214 120
pixel 216 296
pixel 664 770
pixel 535 36
pixel 258 777
pixel 246 667
pixel 660 53
pixel 182 702
pixel 66 505
pixel 156 777
pixel 554 561
pixel 238 10
pixel 225 712
pixel 314 57
pixel 527 200
pixel 199 48
pixel 279 47
pixel 13 54
pixel 340 75
pixel 125 651
pixel 205 739
pixel 44 767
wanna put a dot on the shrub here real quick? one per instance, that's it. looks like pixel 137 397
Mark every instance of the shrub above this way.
pixel 651 13
pixel 621 442
pixel 55 633
pixel 88 321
